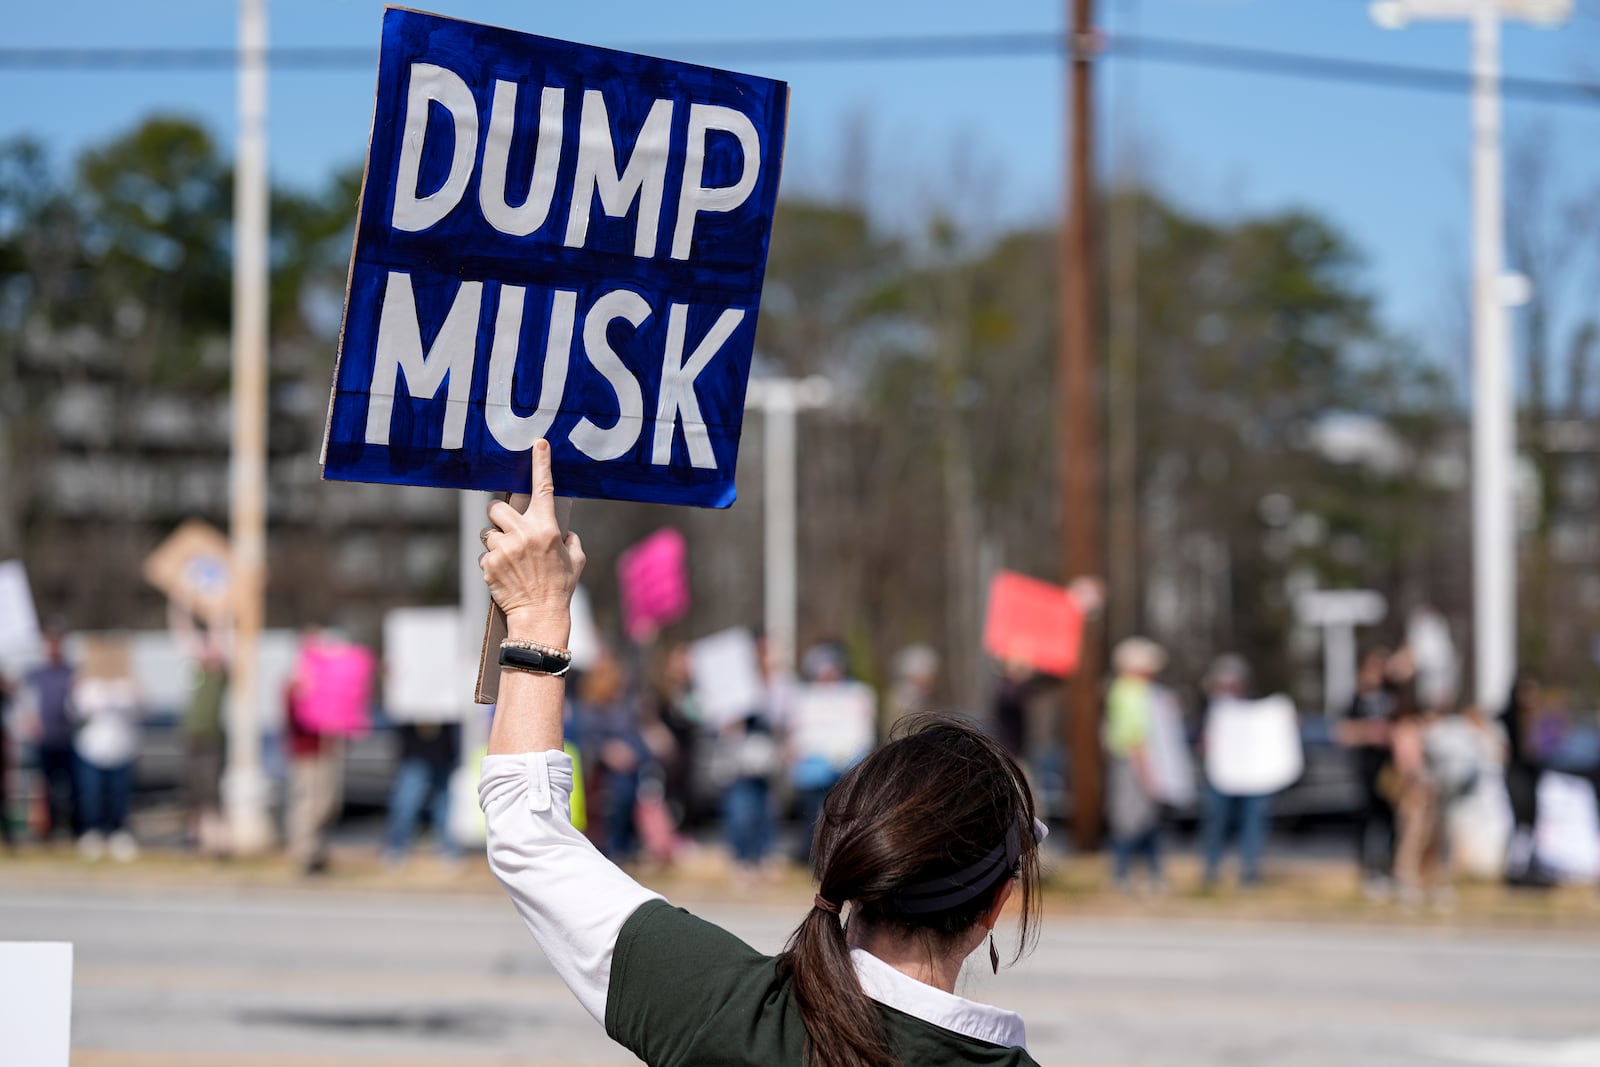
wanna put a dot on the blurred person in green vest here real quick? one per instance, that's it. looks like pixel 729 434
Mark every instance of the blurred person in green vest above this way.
pixel 1132 807
pixel 204 739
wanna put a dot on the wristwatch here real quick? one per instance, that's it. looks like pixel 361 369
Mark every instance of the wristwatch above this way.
pixel 534 658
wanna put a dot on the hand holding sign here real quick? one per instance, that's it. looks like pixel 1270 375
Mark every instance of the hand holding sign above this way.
pixel 531 565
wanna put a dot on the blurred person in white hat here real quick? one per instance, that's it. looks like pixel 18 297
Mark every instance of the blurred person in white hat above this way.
pixel 1132 805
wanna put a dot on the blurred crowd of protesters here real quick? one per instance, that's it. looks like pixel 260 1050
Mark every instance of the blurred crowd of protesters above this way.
pixel 1442 787
pixel 83 730
pixel 82 721
pixel 1437 778
pixel 652 765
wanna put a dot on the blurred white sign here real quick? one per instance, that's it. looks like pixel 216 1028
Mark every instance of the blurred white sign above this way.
pixel 1253 746
pixel 1568 831
pixel 1438 666
pixel 1341 607
pixel 1171 766
pixel 19 623
pixel 584 642
pixel 36 1003
pixel 727 676
pixel 835 721
pixel 426 674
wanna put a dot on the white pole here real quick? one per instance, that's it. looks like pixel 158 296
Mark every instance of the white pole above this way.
pixel 1494 556
pixel 244 785
pixel 778 416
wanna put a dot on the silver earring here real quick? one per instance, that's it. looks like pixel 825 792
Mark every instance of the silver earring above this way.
pixel 994 955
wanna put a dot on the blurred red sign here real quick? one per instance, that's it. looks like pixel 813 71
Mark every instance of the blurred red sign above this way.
pixel 1033 622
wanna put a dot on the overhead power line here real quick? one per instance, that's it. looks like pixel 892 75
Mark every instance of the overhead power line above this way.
pixel 1130 47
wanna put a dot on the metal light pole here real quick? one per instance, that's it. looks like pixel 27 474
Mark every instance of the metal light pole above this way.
pixel 244 784
pixel 778 399
pixel 1494 540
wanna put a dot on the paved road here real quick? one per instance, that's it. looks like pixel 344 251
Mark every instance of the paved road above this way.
pixel 226 977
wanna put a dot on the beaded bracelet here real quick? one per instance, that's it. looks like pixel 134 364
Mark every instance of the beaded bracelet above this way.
pixel 534 658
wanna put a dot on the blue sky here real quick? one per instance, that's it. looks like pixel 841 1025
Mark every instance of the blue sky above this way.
pixel 1389 166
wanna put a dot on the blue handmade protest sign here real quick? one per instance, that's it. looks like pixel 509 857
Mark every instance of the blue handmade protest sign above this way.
pixel 554 241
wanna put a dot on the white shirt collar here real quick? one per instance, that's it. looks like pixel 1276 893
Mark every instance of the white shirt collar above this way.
pixel 903 993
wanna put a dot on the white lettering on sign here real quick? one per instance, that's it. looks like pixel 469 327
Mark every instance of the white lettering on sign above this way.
pixel 454 354
pixel 677 386
pixel 642 178
pixel 694 198
pixel 434 84
pixel 522 220
pixel 400 350
pixel 518 432
pixel 590 439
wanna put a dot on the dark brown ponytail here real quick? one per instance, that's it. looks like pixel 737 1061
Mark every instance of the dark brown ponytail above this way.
pixel 920 836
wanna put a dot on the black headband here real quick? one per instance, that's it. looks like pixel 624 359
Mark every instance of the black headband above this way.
pixel 949 891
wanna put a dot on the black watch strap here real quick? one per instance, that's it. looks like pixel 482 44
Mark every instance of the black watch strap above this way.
pixel 535 660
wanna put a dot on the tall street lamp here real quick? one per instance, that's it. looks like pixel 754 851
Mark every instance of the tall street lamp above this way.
pixel 778 400
pixel 1494 541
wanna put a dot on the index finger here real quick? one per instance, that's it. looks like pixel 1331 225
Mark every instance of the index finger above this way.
pixel 541 503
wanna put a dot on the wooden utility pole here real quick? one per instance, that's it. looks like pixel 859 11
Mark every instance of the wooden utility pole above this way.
pixel 1080 418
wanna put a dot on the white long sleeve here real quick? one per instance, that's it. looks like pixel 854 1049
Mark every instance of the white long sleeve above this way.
pixel 572 899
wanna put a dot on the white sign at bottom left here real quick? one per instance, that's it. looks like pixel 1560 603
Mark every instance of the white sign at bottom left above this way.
pixel 36 1002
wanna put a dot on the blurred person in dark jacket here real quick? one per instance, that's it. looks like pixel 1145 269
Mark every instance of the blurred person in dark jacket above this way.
pixel 429 754
pixel 1019 684
pixel 1524 764
pixel 614 755
pixel 7 693
pixel 1365 731
pixel 48 686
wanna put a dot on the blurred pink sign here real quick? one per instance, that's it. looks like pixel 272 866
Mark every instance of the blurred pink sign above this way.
pixel 654 579
pixel 333 687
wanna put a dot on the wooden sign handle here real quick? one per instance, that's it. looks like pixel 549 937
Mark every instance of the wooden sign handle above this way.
pixel 494 627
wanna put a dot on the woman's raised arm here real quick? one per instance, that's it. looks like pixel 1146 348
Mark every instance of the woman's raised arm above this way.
pixel 572 899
